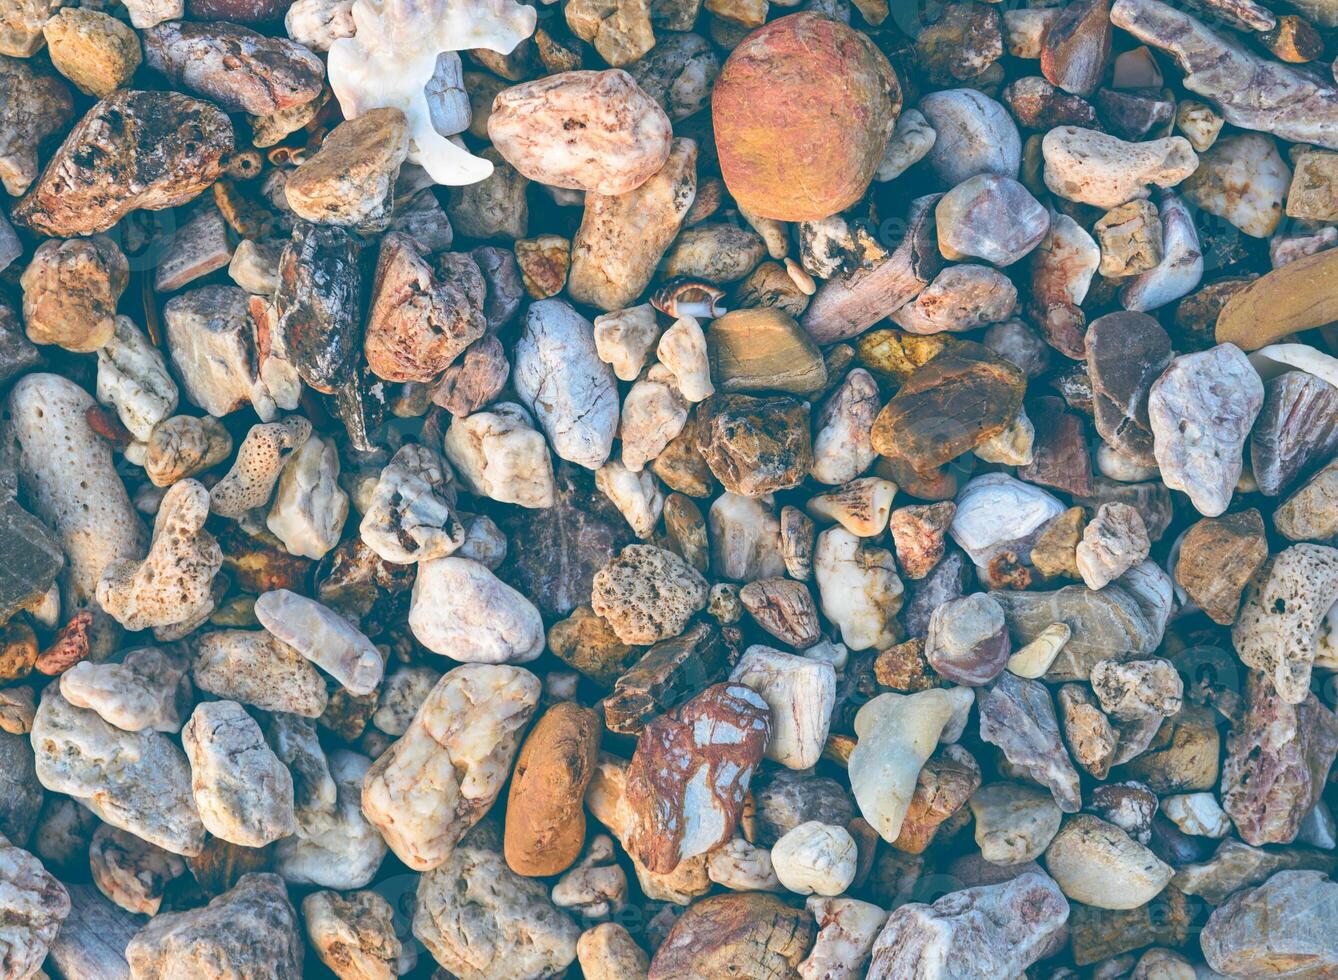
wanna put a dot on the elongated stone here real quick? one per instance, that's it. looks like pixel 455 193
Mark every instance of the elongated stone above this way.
pixel 1018 716
pixel 1297 426
pixel 319 304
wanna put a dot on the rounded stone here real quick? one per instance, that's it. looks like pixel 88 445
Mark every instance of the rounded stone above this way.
pixel 803 110
pixel 545 819
pixel 968 640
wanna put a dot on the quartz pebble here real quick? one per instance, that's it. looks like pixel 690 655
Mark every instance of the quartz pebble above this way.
pixel 815 858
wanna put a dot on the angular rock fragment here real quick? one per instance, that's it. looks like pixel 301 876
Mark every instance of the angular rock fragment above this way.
pixel 250 929
pixel 1018 716
pixel 1218 556
pixel 743 934
pixel 1284 927
pixel 319 303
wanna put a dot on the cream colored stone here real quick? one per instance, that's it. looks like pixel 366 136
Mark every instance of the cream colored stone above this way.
pixel 1197 814
pixel 499 454
pixel 133 379
pixel 429 788
pixel 801 694
pixel 624 338
pixel 682 349
pixel 462 610
pixel 324 637
pixel 745 538
pixel 1015 822
pixel 847 929
pixel 1098 864
pixel 653 414
pixel 742 867
pixel 1034 659
pixel 862 506
pixel 815 857
pixel 637 495
pixel 1095 168
pixel 309 508
pixel 859 589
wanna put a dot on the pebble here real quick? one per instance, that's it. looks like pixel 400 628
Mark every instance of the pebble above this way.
pixel 259 462
pixel 210 337
pixel 1015 822
pixel 842 446
pixel 974 135
pixel 37 106
pixel 1098 864
pixel 349 180
pixel 764 350
pixel 500 455
pixel 1198 814
pixel 690 772
pixel 1113 542
pixel 242 791
pixel 1282 927
pixel 1130 236
pixel 754 445
pixel 93 181
pixel 991 217
pixel 463 738
pixel 623 237
pixel 1243 180
pixel 1201 410
pixel 131 872
pixel 745 537
pixel 961 297
pixel 858 589
pixel 801 694
pixel 70 292
pixel 624 339
pixel 1284 301
pixel 968 640
pixel 462 610
pixel 982 931
pixel 1091 167
pixel 647 594
pixel 354 933
pixel 897 734
pixel 250 924
pixel 146 690
pixel 35 905
pixel 1018 716
pixel 815 857
pixel 255 668
pixel 309 508
pixel 323 637
pixel 582 130
pixel 768 87
pixel 136 781
pixel 1218 557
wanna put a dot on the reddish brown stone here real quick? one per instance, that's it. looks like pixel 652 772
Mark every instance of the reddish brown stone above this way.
pixel 1218 555
pixel 948 778
pixel 917 533
pixel 1076 47
pixel 904 668
pixel 755 446
pixel 68 648
pixel 1060 455
pixel 545 816
pixel 743 934
pixel 690 773
pixel 949 406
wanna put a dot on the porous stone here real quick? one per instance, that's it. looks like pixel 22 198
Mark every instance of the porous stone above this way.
pixel 1201 410
pixel 250 928
pixel 1095 168
pixel 441 777
pixel 137 781
pixel 1276 760
pixel 149 150
pixel 256 668
pixel 689 775
pixel 647 594
pixel 1130 238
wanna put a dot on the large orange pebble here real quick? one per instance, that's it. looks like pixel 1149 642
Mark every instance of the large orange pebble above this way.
pixel 803 110
pixel 545 822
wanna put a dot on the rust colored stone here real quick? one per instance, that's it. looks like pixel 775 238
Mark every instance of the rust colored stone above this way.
pixel 747 934
pixel 68 648
pixel 1218 555
pixel 545 816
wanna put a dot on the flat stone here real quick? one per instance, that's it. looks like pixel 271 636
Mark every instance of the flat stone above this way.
pixel 748 933
pixel 1287 300
pixel 991 930
pixel 1313 195
pixel 1104 624
pixel 950 405
pixel 1218 555
pixel 664 677
pixel 1018 716
pixel 1234 866
pixel 30 559
pixel 149 150
pixel 1126 352
pixel 764 349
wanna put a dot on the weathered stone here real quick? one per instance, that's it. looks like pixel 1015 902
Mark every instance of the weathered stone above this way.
pixel 992 930
pixel 1126 352
pixel 37 105
pixel 755 446
pixel 1282 928
pixel 1296 427
pixel 131 872
pixel 318 303
pixel 743 934
pixel 1218 556
pixel 1234 866
pixel 146 689
pixel 663 677
pixel 948 779
pixel 560 378
pixel 1015 822
pixel 338 849
pixel 961 297
pixel 1243 180
pixel 1098 864
pixel 1113 542
pixel 138 782
pixel 260 461
pixel 1018 716
pixel 1309 513
pixel 949 406
pixel 35 905
pixel 1278 756
pixel 350 179
pixel 70 292
pixel 150 150
pixel 688 778
pixel 622 237
pixel 354 935
pixel 243 793
pixel 991 217
pixel 1092 167
pixel 1201 410
pixel 256 668
pixel 251 928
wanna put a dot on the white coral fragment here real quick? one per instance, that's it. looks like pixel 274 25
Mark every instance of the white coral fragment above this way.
pixel 392 59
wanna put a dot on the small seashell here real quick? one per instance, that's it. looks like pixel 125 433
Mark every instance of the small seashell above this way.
pixel 688 297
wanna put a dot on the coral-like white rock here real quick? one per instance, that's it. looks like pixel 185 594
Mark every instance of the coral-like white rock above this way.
pixel 392 58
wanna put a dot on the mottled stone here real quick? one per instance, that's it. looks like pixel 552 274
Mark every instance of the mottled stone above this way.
pixel 37 105
pixel 1218 556
pixel 150 150
pixel 1283 928
pixel 350 179
pixel 1126 352
pixel 1278 756
pixel 1296 427
pixel 753 445
pixel 738 934
pixel 1018 716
